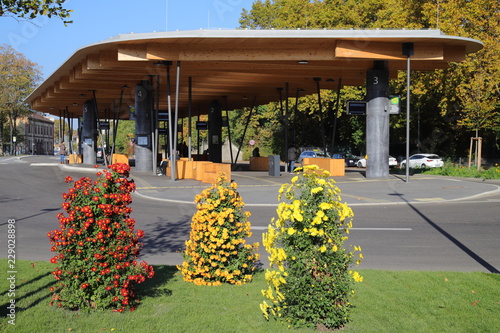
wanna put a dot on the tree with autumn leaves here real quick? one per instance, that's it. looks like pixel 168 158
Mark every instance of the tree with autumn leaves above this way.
pixel 451 104
pixel 19 76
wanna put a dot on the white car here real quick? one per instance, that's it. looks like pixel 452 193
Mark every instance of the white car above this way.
pixel 424 161
pixel 392 162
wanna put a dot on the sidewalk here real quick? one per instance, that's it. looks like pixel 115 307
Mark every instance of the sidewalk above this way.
pixel 259 189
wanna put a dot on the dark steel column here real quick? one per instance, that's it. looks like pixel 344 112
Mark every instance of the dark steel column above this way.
pixel 143 112
pixel 89 133
pixel 215 132
pixel 377 121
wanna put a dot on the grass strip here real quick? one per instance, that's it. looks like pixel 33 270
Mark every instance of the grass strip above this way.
pixel 386 301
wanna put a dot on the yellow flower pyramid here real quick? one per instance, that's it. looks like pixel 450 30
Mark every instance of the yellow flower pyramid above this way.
pixel 216 252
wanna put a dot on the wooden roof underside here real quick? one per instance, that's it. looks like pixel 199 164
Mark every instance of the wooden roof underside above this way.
pixel 239 65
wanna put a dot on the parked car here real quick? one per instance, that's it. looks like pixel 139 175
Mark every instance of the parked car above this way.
pixel 392 162
pixel 311 154
pixel 350 159
pixel 99 153
pixel 424 161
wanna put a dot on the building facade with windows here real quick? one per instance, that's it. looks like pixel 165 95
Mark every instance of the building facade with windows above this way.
pixel 38 135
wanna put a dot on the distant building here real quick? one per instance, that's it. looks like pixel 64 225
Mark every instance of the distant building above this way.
pixel 38 135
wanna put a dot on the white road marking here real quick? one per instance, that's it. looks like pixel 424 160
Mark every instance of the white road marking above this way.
pixel 361 229
pixel 44 164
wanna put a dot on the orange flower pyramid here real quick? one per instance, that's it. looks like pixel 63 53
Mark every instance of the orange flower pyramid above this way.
pixel 216 251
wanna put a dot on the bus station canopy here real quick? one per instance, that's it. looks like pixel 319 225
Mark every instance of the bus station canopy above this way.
pixel 236 65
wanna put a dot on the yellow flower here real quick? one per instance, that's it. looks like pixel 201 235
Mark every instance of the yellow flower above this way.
pixel 316 220
pixel 316 232
pixel 263 307
pixel 325 205
pixel 316 190
pixel 282 188
pixel 322 248
pixel 357 277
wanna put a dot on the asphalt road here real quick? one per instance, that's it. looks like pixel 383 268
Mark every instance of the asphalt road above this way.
pixel 449 236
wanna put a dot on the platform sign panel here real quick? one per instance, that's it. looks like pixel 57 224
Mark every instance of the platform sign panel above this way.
pixel 356 108
pixel 394 105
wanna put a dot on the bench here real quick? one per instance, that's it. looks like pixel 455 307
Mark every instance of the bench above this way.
pixel 335 166
pixel 212 171
pixel 204 171
pixel 259 163
pixel 75 159
pixel 119 158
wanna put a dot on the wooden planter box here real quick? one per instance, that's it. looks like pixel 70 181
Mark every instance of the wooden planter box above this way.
pixel 336 166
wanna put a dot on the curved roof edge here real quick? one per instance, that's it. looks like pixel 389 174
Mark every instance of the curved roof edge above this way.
pixel 473 45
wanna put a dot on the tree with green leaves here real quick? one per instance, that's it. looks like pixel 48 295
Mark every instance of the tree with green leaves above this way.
pixel 19 76
pixel 29 9
pixel 443 99
pixel 475 83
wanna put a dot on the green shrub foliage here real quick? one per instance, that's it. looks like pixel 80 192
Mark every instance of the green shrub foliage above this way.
pixel 309 282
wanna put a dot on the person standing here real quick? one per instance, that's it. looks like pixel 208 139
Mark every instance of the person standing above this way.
pixel 62 152
pixel 292 156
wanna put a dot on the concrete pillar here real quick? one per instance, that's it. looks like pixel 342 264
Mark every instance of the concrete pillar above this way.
pixel 215 132
pixel 377 121
pixel 89 133
pixel 143 113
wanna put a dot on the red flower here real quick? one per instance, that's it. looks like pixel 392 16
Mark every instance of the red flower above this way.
pixel 140 233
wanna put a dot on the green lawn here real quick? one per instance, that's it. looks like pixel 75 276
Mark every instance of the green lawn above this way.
pixel 386 301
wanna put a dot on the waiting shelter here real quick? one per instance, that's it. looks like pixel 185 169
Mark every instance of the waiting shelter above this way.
pixel 166 76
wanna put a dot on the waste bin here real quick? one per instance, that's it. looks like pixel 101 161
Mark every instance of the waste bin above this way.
pixel 274 165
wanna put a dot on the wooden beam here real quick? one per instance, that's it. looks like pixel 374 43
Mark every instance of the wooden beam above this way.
pixel 132 52
pixel 226 52
pixel 386 51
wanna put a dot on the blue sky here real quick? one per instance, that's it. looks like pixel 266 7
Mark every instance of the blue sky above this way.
pixel 49 43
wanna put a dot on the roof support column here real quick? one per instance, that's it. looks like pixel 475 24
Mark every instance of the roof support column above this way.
pixel 377 121
pixel 215 132
pixel 89 132
pixel 143 113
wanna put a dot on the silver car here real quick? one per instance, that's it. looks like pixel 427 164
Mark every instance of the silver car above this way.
pixel 311 154
pixel 424 161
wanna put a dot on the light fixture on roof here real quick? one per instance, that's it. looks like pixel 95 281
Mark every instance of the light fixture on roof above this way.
pixel 330 80
pixel 303 62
